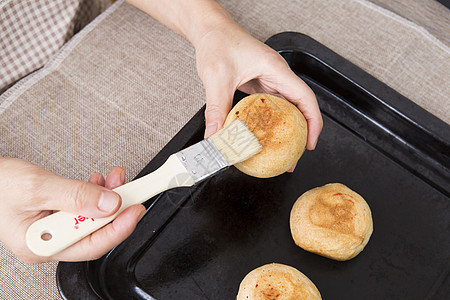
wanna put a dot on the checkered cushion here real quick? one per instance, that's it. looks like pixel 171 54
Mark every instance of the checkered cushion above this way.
pixel 31 31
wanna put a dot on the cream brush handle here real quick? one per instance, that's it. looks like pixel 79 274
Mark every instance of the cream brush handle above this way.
pixel 51 234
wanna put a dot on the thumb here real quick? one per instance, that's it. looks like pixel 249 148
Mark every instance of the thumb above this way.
pixel 218 104
pixel 84 198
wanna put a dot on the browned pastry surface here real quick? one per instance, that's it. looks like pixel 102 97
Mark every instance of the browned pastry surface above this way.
pixel 280 128
pixel 277 282
pixel 332 221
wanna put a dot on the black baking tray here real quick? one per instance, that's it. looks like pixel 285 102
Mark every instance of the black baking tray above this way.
pixel 200 242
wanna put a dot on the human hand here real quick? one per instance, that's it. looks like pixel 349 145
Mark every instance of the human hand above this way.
pixel 228 59
pixel 30 193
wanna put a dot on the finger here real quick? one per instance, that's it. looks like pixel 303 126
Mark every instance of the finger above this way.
pixel 83 198
pixel 219 98
pixel 292 168
pixel 100 242
pixel 115 178
pixel 298 92
pixel 97 179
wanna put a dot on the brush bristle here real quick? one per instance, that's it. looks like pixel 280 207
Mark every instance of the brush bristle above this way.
pixel 236 142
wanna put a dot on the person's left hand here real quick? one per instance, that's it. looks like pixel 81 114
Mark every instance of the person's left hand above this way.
pixel 31 193
pixel 228 59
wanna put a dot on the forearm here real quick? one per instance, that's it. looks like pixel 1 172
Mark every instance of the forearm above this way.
pixel 189 18
pixel 228 58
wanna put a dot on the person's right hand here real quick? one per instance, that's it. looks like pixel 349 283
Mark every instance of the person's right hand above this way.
pixel 30 193
pixel 230 59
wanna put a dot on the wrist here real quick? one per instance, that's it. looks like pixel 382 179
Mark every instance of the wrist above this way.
pixel 191 19
pixel 215 19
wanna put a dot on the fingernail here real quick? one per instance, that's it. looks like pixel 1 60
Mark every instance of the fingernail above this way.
pixel 108 201
pixel 313 146
pixel 210 129
pixel 141 215
pixel 291 170
pixel 122 176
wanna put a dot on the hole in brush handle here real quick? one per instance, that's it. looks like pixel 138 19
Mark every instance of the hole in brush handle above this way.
pixel 60 230
pixel 46 236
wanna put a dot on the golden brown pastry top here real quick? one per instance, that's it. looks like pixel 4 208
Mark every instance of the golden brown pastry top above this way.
pixel 277 282
pixel 335 212
pixel 281 129
pixel 264 116
pixel 332 221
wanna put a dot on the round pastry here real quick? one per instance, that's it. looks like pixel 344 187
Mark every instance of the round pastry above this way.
pixel 277 281
pixel 280 128
pixel 332 221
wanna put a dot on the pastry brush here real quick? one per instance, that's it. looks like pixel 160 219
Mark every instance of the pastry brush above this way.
pixel 230 145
